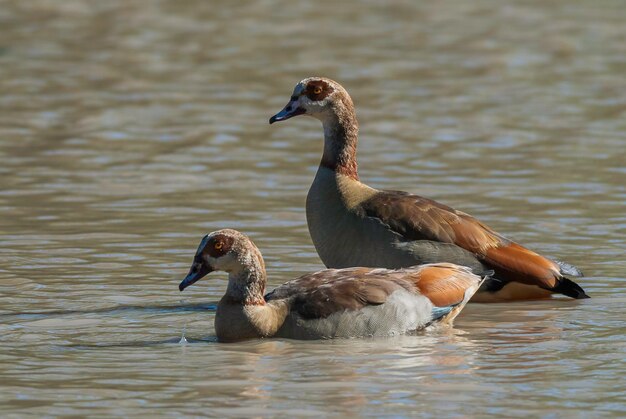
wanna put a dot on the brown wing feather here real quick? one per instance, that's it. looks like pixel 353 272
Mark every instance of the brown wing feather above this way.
pixel 418 218
pixel 323 293
pixel 320 294
pixel 345 294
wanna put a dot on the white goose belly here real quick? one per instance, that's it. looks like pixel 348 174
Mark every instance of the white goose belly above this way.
pixel 402 312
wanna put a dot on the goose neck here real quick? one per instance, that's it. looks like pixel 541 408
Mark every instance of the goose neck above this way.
pixel 341 131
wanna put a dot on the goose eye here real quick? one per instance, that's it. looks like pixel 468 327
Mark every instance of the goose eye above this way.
pixel 218 245
pixel 317 90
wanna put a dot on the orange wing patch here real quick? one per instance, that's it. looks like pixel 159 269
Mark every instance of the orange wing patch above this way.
pixel 523 265
pixel 444 283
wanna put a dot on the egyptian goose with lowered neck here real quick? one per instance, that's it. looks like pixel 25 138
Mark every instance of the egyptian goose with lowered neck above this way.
pixel 332 303
pixel 352 224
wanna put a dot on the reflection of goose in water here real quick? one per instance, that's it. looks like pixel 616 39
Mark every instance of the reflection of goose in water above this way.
pixel 352 374
pixel 331 303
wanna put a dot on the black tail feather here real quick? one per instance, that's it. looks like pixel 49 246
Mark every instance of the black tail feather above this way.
pixel 570 288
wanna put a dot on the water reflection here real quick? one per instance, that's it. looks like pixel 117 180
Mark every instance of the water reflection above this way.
pixel 113 311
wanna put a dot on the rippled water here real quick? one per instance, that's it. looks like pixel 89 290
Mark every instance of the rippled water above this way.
pixel 128 129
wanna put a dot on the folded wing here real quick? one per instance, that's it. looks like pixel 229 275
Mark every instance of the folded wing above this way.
pixel 418 218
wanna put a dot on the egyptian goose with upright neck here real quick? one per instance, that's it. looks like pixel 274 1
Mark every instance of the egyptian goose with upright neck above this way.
pixel 354 302
pixel 352 224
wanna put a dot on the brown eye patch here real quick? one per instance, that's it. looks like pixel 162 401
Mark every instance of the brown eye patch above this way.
pixel 218 245
pixel 318 90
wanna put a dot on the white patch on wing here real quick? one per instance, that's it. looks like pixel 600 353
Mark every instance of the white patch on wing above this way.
pixel 379 271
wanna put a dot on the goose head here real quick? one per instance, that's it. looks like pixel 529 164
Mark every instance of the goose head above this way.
pixel 223 250
pixel 318 97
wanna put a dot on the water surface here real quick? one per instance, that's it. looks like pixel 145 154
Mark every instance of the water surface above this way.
pixel 129 129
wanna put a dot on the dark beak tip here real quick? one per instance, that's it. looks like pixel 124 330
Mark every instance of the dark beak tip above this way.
pixel 194 275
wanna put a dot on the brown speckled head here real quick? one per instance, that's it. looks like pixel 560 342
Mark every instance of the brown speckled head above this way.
pixel 223 250
pixel 329 102
pixel 314 96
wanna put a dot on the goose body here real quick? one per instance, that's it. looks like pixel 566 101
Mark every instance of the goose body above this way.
pixel 353 224
pixel 333 303
pixel 344 235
